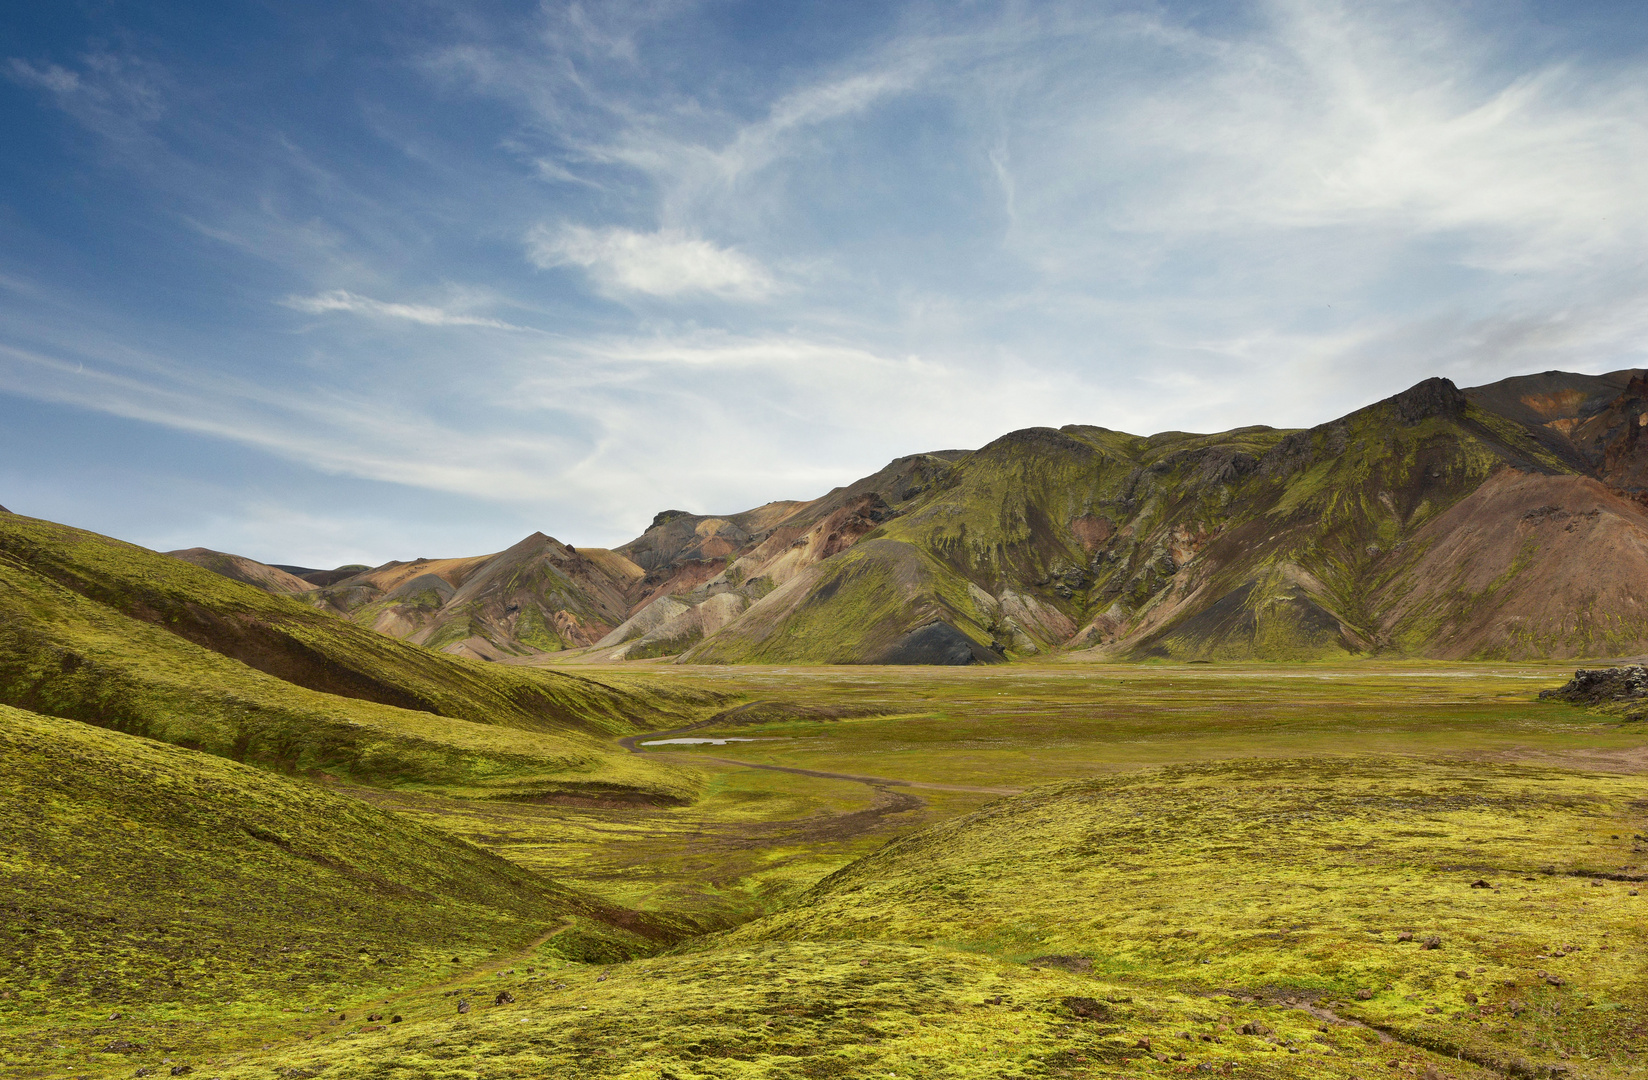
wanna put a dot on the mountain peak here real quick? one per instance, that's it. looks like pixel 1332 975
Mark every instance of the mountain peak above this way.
pixel 1423 400
pixel 664 517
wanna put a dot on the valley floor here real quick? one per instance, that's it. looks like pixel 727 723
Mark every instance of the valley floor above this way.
pixel 1212 869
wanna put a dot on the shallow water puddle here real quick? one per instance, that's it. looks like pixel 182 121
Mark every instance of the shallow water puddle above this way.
pixel 694 742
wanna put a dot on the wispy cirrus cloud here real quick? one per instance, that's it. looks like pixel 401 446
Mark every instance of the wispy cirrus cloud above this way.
pixel 666 263
pixel 423 314
pixel 830 244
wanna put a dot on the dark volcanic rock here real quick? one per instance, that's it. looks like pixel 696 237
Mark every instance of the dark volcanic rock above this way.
pixel 936 643
pixel 1593 686
pixel 1433 397
pixel 1087 1008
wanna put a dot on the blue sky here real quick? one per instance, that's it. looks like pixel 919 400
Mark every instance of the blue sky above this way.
pixel 334 282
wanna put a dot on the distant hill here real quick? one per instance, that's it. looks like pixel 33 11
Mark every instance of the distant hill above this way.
pixel 275 579
pixel 1500 521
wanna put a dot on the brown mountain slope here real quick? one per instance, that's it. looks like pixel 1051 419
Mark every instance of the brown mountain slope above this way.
pixel 1552 404
pixel 239 568
pixel 538 596
pixel 1525 565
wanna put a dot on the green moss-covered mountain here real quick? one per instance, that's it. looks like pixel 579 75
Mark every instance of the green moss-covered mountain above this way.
pixel 1504 521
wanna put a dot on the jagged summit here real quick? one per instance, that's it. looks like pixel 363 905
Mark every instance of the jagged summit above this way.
pixel 1433 397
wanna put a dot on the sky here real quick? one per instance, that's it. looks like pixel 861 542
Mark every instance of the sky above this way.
pixel 335 282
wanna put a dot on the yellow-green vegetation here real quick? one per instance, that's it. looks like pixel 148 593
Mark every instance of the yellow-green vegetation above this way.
pixel 166 899
pixel 1022 725
pixel 1487 912
pixel 1277 918
pixel 63 654
pixel 294 642
pixel 69 647
pixel 836 1009
pixel 1285 824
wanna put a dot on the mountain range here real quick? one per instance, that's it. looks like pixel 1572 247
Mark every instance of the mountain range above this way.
pixel 1505 521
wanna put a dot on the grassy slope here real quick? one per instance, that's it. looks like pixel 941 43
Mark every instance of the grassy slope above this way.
pixel 292 641
pixel 849 993
pixel 830 1009
pixel 63 654
pixel 202 899
pixel 1289 879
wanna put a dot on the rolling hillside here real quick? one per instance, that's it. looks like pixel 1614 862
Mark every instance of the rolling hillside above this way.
pixel 103 632
pixel 159 899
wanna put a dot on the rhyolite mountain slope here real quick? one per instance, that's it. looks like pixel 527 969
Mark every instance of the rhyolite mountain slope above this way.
pixel 1501 521
pixel 273 579
pixel 540 595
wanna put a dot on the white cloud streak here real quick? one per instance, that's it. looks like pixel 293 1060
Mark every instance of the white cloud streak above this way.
pixel 668 263
pixel 423 314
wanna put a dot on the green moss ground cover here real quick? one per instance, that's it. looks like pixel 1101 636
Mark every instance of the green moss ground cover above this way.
pixel 1484 911
pixel 298 644
pixel 65 655
pixel 1285 823
pixel 157 896
pixel 810 1010
pixel 1028 724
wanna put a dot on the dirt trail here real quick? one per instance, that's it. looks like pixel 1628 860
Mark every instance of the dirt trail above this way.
pixel 841 826
pixel 873 781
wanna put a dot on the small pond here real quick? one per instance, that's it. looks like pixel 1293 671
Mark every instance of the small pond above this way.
pixel 693 742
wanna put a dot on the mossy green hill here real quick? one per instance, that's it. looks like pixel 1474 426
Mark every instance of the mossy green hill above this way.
pixel 1489 913
pixel 1420 525
pixel 158 896
pixel 108 633
pixel 294 642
